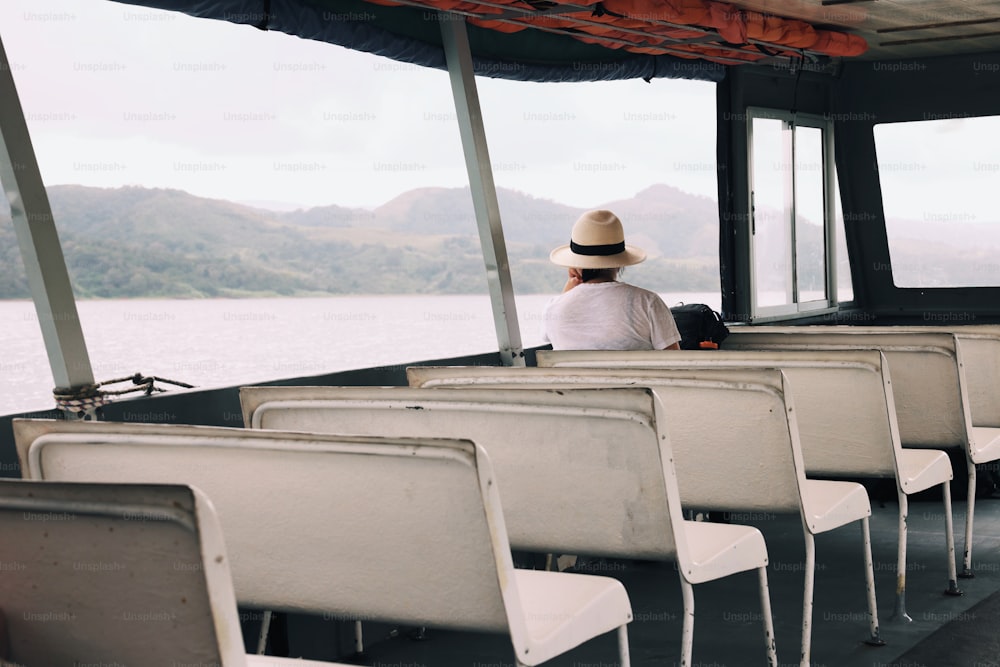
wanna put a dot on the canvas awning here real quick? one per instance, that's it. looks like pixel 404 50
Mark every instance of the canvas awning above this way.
pixel 544 40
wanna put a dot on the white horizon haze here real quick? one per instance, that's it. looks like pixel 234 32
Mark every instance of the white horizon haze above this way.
pixel 116 95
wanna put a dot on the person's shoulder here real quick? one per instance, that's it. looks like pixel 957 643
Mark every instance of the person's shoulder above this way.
pixel 635 289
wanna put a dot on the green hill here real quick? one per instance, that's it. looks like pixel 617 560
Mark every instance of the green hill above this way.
pixel 142 242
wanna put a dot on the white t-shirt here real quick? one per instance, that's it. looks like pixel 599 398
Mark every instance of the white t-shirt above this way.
pixel 609 316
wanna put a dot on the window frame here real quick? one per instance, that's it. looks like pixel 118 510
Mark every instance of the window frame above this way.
pixel 794 308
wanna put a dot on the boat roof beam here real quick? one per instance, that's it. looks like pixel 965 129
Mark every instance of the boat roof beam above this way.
pixel 484 194
pixel 41 252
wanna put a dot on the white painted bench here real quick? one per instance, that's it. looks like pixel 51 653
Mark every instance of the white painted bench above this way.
pixel 930 388
pixel 102 574
pixel 736 448
pixel 846 418
pixel 980 344
pixel 583 472
pixel 395 530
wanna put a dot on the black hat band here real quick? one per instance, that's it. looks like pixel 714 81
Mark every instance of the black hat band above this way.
pixel 597 250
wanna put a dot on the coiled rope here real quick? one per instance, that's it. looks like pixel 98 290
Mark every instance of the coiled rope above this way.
pixel 89 397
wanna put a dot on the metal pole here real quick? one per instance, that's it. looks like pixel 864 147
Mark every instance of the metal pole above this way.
pixel 35 227
pixel 484 194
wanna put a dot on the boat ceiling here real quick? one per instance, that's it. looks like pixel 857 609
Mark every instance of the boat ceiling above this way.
pixel 566 40
pixel 900 29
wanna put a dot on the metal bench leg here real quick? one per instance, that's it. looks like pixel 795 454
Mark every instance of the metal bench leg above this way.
pixel 687 632
pixel 265 628
pixel 623 654
pixel 899 612
pixel 359 640
pixel 875 639
pixel 807 600
pixel 967 559
pixel 949 533
pixel 765 609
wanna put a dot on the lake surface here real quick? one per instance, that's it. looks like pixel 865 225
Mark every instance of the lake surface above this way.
pixel 221 342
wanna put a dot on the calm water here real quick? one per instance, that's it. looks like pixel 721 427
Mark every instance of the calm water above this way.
pixel 219 342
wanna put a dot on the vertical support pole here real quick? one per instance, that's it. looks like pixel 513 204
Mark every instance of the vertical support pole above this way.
pixel 35 227
pixel 484 196
pixel 830 227
pixel 790 145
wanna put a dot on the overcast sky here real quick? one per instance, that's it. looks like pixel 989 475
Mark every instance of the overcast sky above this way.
pixel 116 94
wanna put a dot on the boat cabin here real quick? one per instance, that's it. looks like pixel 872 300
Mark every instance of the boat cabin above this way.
pixel 858 146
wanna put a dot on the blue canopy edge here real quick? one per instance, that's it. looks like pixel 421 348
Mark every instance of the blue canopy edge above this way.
pixel 412 35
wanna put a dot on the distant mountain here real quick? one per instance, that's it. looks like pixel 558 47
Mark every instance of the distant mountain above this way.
pixel 944 251
pixel 327 216
pixel 144 242
pixel 271 205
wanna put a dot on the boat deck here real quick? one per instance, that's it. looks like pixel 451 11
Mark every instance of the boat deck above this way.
pixel 945 630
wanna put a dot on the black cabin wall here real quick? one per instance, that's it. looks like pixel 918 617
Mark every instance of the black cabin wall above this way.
pixel 745 87
pixel 856 97
pixel 883 92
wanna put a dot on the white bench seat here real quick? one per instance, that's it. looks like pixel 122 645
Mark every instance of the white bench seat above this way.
pixel 920 469
pixel 719 550
pixel 980 345
pixel 832 504
pixel 986 444
pixel 736 447
pixel 846 418
pixel 932 394
pixel 584 472
pixel 118 574
pixel 400 530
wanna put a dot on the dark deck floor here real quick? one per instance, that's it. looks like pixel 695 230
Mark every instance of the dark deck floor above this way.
pixel 951 631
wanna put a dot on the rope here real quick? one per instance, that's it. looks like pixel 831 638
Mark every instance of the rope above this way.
pixel 79 399
pixel 89 397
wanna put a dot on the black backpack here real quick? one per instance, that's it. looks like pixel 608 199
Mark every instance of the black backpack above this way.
pixel 701 327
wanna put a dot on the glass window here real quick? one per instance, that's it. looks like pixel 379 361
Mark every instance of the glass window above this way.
pixel 845 286
pixel 810 235
pixel 644 150
pixel 795 237
pixel 939 178
pixel 771 211
pixel 321 173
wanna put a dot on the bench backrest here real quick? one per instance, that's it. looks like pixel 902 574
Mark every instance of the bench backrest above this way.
pixel 979 347
pixel 735 438
pixel 846 415
pixel 581 472
pixel 111 575
pixel 980 354
pixel 929 386
pixel 354 528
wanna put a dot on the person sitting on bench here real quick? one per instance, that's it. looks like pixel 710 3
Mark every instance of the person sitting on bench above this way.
pixel 596 311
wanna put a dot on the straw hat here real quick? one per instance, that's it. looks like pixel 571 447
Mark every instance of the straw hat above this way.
pixel 597 242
